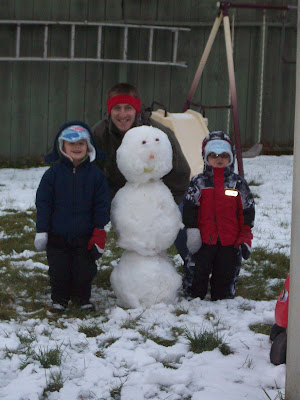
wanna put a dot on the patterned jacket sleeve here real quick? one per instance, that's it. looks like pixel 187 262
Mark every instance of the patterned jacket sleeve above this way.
pixel 247 201
pixel 248 212
pixel 191 204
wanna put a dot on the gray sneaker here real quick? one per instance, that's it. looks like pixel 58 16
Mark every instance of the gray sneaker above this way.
pixel 87 307
pixel 58 308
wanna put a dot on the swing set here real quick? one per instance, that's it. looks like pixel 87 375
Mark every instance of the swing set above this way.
pixel 223 15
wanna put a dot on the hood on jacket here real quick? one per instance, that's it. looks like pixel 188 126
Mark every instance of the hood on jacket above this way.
pixel 93 151
pixel 217 135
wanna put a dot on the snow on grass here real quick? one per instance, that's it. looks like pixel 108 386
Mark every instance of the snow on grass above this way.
pixel 144 353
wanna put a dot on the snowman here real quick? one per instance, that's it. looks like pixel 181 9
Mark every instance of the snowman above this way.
pixel 147 221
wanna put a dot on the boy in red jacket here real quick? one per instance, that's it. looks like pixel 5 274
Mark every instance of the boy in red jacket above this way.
pixel 218 212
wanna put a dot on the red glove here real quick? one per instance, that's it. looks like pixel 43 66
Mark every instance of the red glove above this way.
pixel 244 240
pixel 97 243
pixel 245 236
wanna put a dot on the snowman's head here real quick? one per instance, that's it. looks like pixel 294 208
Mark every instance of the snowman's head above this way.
pixel 145 154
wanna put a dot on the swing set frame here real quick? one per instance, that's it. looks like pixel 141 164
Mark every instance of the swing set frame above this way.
pixel 223 15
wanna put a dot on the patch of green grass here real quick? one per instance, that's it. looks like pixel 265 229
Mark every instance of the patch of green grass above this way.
pixel 102 279
pixel 108 342
pixel 206 341
pixel 112 253
pixel 131 323
pixel 209 316
pixel 177 331
pixel 26 337
pixel 26 288
pixel 248 363
pixel 7 313
pixel 162 341
pixel 6 298
pixel 169 365
pixel 265 329
pixel 48 357
pixel 112 250
pixel 115 391
pixel 91 330
pixel 148 334
pixel 55 383
pixel 263 266
pixel 13 225
pixel 100 353
pixel 279 396
pixel 180 311
pixel 172 251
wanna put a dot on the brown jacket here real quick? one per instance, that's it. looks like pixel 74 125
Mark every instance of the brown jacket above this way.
pixel 108 139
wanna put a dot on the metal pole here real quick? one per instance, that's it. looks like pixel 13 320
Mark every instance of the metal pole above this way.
pixel 293 346
pixel 236 125
pixel 203 60
pixel 262 72
pixel 229 4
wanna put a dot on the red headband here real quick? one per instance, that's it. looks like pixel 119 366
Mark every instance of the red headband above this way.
pixel 123 99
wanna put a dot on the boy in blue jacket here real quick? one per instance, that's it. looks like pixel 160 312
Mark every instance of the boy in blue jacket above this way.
pixel 72 204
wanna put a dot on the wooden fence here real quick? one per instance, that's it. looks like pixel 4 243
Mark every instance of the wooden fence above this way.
pixel 37 97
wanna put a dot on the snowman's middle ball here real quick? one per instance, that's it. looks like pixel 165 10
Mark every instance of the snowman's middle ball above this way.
pixel 145 154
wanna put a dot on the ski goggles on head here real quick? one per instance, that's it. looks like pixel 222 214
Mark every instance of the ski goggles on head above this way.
pixel 222 155
pixel 74 133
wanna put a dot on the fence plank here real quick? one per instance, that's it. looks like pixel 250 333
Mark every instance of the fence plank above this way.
pixel 21 89
pixel 6 76
pixel 146 73
pixel 94 72
pixel 39 85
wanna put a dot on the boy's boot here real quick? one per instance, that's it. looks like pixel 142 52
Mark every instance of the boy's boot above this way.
pixel 87 307
pixel 59 308
pixel 188 274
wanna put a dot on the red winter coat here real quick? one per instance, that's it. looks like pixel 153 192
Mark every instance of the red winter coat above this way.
pixel 220 204
pixel 282 305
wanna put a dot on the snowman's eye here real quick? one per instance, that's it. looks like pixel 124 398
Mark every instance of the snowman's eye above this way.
pixel 144 142
pixel 157 140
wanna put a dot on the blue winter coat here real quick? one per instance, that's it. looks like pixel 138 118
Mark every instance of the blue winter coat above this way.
pixel 72 201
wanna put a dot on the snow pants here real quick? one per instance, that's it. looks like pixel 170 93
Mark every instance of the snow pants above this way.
pixel 223 263
pixel 71 269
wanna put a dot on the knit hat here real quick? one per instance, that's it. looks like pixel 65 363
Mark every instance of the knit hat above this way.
pixel 218 146
pixel 123 99
pixel 73 134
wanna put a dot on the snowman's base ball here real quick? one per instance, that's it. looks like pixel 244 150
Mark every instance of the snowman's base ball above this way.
pixel 144 280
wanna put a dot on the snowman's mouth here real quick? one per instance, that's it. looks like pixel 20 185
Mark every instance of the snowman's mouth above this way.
pixel 148 169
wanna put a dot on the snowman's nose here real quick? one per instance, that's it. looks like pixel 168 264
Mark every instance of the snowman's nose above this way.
pixel 151 156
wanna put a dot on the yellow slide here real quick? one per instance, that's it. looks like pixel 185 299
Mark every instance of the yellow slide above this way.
pixel 190 129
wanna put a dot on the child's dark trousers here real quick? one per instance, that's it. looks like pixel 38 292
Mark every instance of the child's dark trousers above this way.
pixel 71 269
pixel 219 261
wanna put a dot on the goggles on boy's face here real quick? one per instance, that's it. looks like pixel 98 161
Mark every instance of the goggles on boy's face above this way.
pixel 222 155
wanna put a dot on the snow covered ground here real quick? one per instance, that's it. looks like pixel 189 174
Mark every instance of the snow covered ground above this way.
pixel 121 358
